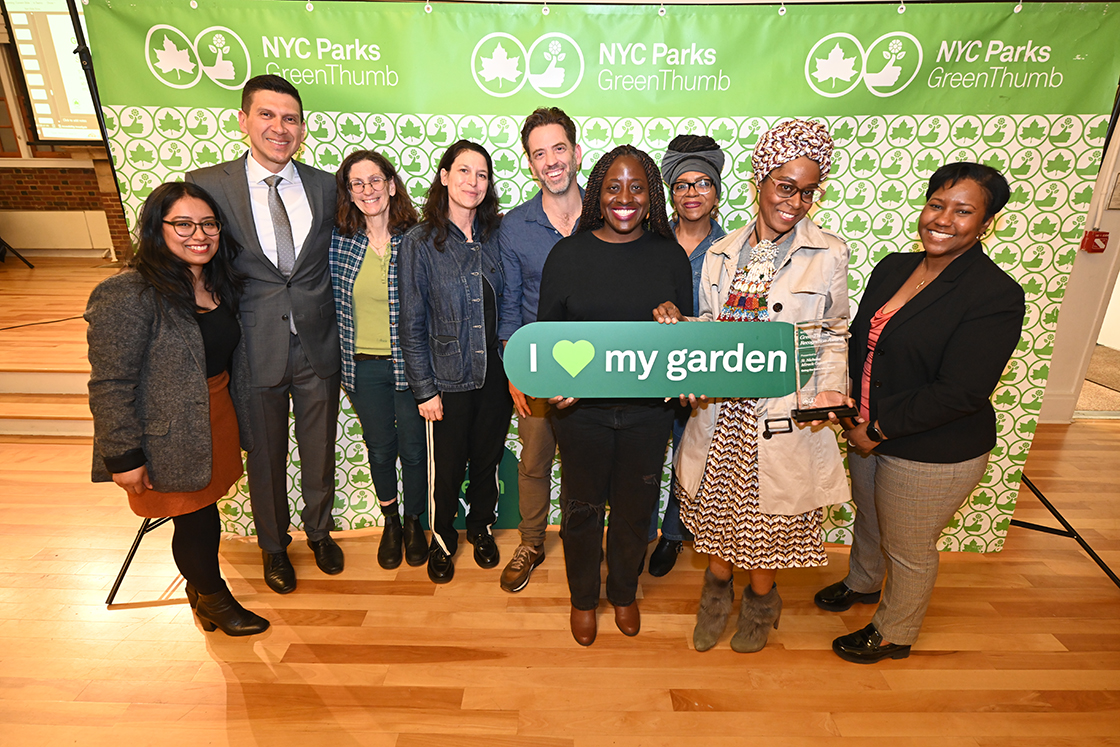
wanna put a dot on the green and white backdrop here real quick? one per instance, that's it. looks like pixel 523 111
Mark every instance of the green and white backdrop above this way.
pixel 902 93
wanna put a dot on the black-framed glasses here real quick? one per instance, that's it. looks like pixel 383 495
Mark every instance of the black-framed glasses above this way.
pixel 375 183
pixel 184 229
pixel 702 187
pixel 786 190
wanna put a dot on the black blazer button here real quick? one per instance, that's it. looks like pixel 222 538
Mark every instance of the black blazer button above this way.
pixel 778 306
pixel 285 318
pixel 878 384
pixel 289 283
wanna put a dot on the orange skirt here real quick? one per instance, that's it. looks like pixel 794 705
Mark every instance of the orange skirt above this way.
pixel 227 466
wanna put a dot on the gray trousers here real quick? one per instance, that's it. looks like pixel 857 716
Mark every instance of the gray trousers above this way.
pixel 534 471
pixel 314 403
pixel 901 508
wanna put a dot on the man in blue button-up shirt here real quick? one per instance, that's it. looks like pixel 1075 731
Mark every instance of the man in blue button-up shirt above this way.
pixel 527 235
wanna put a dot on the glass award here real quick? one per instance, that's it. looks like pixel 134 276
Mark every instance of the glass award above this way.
pixel 821 355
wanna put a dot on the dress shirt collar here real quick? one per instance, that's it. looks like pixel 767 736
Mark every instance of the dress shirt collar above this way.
pixel 257 173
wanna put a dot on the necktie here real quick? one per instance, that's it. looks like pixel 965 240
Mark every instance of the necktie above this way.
pixel 281 227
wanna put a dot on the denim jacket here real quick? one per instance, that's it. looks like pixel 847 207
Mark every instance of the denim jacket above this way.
pixel 442 325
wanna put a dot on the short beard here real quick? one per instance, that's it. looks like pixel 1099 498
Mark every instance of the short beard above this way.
pixel 572 171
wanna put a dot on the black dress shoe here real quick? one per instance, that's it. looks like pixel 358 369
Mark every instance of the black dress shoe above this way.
pixel 415 544
pixel 838 597
pixel 440 567
pixel 328 555
pixel 664 556
pixel 866 647
pixel 485 549
pixel 278 572
pixel 389 549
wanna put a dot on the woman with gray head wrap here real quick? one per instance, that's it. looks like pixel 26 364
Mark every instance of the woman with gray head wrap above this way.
pixel 691 167
pixel 751 481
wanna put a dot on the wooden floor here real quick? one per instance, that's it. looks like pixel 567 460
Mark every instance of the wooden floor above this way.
pixel 1020 648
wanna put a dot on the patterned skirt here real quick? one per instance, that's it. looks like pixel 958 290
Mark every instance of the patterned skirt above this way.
pixel 725 516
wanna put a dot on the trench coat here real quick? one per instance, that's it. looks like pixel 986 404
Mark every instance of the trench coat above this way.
pixel 803 469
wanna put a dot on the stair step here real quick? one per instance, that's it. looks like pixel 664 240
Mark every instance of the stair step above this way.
pixel 38 414
pixel 43 382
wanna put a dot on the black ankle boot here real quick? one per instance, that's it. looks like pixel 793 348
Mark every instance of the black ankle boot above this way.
pixel 415 545
pixel 389 549
pixel 192 595
pixel 221 610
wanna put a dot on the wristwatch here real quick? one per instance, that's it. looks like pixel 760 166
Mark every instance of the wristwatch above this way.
pixel 873 433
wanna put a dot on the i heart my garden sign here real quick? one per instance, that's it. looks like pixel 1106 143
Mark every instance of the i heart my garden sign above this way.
pixel 647 359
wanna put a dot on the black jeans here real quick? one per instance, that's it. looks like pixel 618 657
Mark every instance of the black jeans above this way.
pixel 609 455
pixel 473 430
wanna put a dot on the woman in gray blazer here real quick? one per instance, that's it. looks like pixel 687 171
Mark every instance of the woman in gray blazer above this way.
pixel 169 387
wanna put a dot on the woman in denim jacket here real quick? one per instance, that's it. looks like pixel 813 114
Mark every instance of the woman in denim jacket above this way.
pixel 451 285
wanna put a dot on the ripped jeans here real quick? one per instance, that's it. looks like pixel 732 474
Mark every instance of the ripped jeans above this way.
pixel 610 456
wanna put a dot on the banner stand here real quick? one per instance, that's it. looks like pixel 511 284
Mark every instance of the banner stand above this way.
pixel 1068 531
pixel 146 526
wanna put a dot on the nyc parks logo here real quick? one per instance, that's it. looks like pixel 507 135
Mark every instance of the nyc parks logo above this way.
pixel 838 63
pixel 553 65
pixel 216 52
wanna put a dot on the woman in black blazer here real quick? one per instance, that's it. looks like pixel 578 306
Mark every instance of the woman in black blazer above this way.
pixel 934 331
pixel 169 387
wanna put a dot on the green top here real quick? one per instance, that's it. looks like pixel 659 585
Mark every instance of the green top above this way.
pixel 371 305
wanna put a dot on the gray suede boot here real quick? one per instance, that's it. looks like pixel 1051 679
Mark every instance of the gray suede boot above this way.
pixel 756 615
pixel 715 606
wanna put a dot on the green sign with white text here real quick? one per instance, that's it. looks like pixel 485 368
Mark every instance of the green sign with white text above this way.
pixel 647 359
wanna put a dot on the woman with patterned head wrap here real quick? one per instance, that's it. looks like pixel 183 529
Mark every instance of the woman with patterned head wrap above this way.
pixel 751 481
pixel 691 167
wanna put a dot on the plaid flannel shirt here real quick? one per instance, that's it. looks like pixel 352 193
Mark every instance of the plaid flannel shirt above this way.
pixel 346 255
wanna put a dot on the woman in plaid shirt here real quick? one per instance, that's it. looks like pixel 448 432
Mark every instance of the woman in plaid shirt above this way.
pixel 374 211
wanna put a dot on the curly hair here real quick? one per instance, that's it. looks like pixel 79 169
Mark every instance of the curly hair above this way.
pixel 350 219
pixel 656 220
pixel 437 205
pixel 169 276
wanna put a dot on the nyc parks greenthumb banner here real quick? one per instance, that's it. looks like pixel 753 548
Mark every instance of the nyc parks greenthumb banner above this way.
pixel 902 94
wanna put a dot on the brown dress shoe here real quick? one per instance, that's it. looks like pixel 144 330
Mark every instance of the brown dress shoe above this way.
pixel 584 626
pixel 628 618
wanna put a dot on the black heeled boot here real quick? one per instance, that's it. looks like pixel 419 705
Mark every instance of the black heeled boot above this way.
pixel 221 610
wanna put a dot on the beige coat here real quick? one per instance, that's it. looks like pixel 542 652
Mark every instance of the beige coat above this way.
pixel 802 470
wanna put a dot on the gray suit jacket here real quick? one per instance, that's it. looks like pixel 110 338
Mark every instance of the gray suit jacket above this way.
pixel 147 386
pixel 269 296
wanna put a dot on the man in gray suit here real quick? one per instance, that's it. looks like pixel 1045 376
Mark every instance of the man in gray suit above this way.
pixel 281 213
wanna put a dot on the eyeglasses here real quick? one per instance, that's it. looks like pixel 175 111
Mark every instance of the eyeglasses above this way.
pixel 185 228
pixel 375 183
pixel 702 187
pixel 786 191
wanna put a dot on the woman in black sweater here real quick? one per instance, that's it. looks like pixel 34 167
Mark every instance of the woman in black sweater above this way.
pixel 622 263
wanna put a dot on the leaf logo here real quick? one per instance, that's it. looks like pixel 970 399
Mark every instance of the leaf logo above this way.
pixel 838 63
pixel 553 66
pixel 216 52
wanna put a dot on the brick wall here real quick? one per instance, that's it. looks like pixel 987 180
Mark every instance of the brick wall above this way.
pixel 49 189
pixel 64 189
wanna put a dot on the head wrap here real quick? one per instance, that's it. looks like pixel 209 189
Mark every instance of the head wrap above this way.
pixel 707 162
pixel 788 142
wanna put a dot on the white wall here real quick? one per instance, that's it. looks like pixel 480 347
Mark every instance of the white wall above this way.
pixel 1110 328
pixel 57 232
